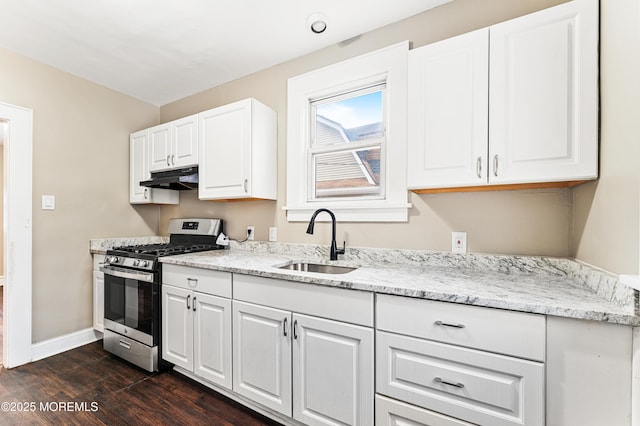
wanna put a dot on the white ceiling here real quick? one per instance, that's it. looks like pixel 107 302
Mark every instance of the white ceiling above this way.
pixel 163 50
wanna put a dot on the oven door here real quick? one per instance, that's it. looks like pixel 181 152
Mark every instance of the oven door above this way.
pixel 131 303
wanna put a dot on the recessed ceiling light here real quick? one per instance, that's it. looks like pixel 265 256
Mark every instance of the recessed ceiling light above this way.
pixel 317 23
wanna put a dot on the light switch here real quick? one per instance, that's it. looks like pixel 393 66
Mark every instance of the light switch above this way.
pixel 48 202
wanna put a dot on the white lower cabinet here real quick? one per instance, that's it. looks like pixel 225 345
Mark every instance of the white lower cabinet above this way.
pixel 332 372
pixel 262 355
pixel 98 293
pixel 196 326
pixel 469 364
pixel 318 371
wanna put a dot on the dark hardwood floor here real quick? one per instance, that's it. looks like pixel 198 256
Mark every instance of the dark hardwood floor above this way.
pixel 88 386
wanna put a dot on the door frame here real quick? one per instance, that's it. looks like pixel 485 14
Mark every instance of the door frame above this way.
pixel 17 305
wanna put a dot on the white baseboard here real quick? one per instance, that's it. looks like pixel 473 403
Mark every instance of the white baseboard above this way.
pixel 64 343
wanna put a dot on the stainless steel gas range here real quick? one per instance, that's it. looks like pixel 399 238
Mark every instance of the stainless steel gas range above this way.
pixel 132 279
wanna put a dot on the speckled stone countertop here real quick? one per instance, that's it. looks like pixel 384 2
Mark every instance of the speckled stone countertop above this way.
pixel 101 245
pixel 550 286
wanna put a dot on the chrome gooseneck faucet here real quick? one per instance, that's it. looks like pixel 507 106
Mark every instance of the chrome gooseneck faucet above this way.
pixel 334 251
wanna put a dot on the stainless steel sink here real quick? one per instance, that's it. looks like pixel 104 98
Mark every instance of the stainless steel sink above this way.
pixel 317 267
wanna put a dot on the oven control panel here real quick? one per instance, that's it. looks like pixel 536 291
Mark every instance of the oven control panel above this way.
pixel 129 262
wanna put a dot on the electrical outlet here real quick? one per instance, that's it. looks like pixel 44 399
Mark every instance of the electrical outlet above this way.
pixel 273 233
pixel 459 242
pixel 251 232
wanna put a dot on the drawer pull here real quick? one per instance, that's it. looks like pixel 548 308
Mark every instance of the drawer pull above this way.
pixel 125 344
pixel 192 282
pixel 447 324
pixel 443 382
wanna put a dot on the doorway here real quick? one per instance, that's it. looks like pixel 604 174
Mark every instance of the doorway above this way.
pixel 16 127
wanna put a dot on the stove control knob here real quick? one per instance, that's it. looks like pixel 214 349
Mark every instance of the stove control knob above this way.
pixel 144 263
pixel 112 259
pixel 136 262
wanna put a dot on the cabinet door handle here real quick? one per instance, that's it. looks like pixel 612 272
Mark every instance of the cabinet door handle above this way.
pixel 246 185
pixel 284 326
pixel 448 324
pixel 168 161
pixel 295 329
pixel 495 165
pixel 479 167
pixel 444 382
pixel 194 303
pixel 188 301
pixel 173 160
pixel 146 192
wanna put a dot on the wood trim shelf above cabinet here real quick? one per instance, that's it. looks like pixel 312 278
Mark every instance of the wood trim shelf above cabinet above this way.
pixel 506 187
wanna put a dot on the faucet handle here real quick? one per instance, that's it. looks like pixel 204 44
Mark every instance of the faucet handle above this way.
pixel 341 250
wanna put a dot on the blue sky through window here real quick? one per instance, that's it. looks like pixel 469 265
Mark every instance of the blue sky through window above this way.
pixel 354 112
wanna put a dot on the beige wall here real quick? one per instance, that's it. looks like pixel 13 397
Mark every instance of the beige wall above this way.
pixel 522 222
pixel 1 208
pixel 607 215
pixel 80 155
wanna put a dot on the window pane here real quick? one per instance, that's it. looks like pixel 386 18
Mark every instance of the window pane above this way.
pixel 355 118
pixel 347 173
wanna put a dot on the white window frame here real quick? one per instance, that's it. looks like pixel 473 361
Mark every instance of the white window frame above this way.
pixel 389 65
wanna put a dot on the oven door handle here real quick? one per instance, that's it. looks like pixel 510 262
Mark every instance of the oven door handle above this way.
pixel 127 274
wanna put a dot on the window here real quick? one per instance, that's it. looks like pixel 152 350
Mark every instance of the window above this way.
pixel 346 143
pixel 347 137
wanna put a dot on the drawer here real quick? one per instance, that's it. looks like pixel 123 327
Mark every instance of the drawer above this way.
pixel 511 333
pixel 350 306
pixel 475 386
pixel 203 280
pixel 390 412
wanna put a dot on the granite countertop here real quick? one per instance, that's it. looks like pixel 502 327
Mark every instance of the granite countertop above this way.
pixel 101 245
pixel 550 286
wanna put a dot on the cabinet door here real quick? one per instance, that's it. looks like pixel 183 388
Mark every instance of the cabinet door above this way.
pixel 449 112
pixel 262 355
pixel 160 147
pixel 184 148
pixel 98 301
pixel 225 151
pixel 212 338
pixel 543 123
pixel 332 372
pixel 138 167
pixel 139 171
pixel 177 326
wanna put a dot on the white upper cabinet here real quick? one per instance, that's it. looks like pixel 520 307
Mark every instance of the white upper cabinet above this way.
pixel 173 145
pixel 543 106
pixel 139 171
pixel 449 112
pixel 538 75
pixel 238 152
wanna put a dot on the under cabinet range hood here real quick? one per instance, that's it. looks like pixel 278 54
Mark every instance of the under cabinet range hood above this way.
pixel 178 179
